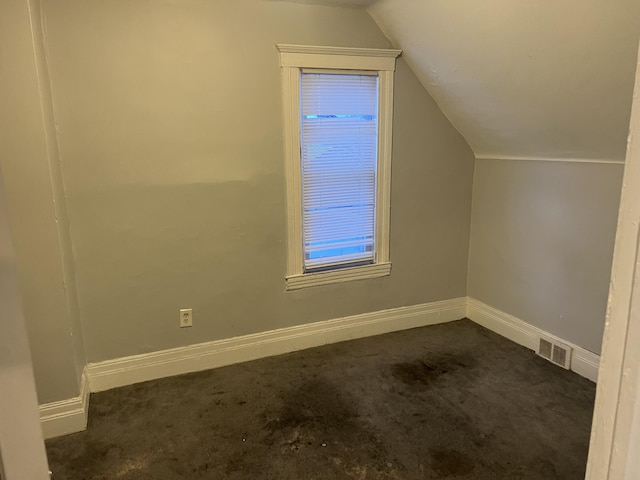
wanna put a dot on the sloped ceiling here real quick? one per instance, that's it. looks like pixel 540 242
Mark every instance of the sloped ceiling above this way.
pixel 524 78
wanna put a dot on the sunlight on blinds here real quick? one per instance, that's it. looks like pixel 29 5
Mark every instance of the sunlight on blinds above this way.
pixel 339 141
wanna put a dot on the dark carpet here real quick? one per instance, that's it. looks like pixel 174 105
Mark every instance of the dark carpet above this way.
pixel 450 401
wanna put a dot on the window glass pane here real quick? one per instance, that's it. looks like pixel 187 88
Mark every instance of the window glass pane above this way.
pixel 339 141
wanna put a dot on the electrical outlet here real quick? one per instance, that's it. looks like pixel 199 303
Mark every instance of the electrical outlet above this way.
pixel 186 317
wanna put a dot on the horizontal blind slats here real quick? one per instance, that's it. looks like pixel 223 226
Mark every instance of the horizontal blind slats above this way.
pixel 338 135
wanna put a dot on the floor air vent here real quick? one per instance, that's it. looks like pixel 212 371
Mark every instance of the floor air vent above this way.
pixel 555 352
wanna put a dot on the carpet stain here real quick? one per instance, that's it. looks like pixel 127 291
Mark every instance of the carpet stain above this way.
pixel 132 465
pixel 422 373
pixel 318 423
pixel 316 404
pixel 450 401
pixel 451 463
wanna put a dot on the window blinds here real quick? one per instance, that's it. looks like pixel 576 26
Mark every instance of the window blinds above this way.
pixel 339 141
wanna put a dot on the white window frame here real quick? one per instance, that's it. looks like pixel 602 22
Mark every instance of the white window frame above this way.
pixel 293 58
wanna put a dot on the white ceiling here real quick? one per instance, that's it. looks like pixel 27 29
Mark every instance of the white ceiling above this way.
pixel 522 78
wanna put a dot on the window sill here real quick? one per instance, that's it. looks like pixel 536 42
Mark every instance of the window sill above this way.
pixel 295 282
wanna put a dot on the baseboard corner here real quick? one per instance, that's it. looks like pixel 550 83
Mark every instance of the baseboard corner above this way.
pixel 583 362
pixel 67 416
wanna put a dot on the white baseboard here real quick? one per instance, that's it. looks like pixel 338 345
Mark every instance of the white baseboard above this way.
pixel 176 361
pixel 66 416
pixel 69 416
pixel 583 362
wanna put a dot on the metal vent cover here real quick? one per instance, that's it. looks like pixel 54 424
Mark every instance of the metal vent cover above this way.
pixel 545 348
pixel 555 352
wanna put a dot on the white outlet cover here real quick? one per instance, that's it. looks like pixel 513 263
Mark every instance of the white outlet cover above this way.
pixel 186 317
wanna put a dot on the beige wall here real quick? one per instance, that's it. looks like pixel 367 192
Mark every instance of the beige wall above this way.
pixel 542 239
pixel 170 129
pixel 35 198
pixel 22 454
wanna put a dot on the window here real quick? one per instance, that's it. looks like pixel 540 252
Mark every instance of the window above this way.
pixel 338 105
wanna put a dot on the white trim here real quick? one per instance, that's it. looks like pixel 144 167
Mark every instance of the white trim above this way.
pixel 383 194
pixel 326 50
pixel 615 435
pixel 293 58
pixel 371 73
pixel 311 56
pixel 295 282
pixel 583 362
pixel 550 159
pixel 290 92
pixel 69 416
pixel 66 416
pixel 336 62
pixel 176 361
